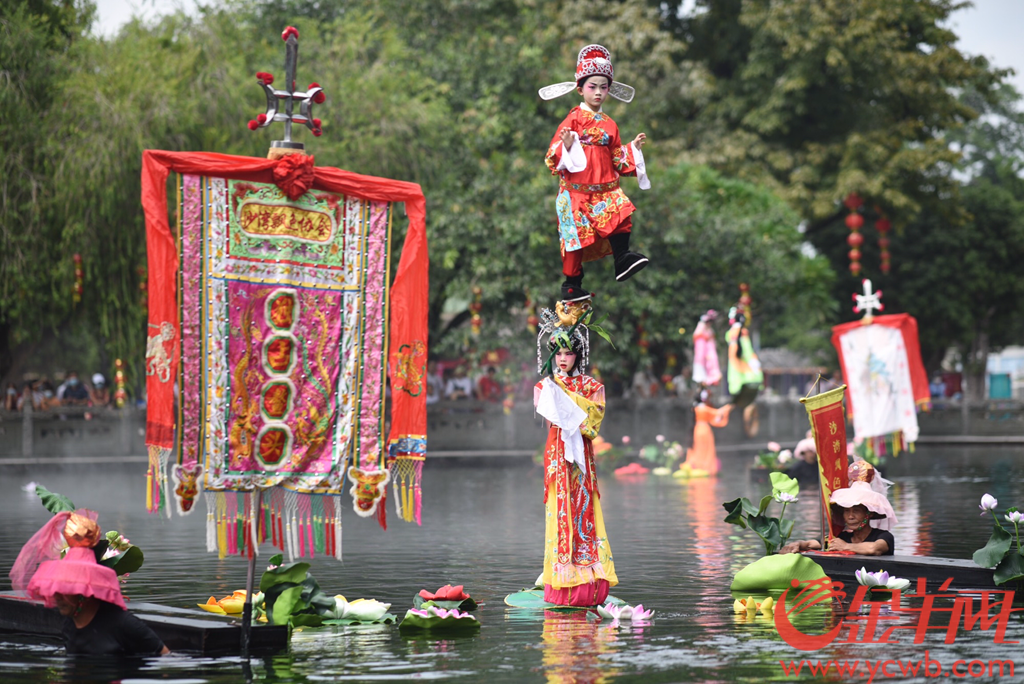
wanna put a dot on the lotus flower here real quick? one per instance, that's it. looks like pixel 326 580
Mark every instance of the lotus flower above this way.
pixel 785 497
pixel 659 438
pixel 229 605
pixel 616 612
pixel 785 456
pixel 366 610
pixel 632 469
pixel 988 503
pixel 1014 516
pixel 433 617
pixel 881 580
pixel 774 446
pixel 445 593
pixel 625 439
pixel 750 607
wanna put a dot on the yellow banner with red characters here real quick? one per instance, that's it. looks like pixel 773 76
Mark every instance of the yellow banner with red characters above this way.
pixel 828 423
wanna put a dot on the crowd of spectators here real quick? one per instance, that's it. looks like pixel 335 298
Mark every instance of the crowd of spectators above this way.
pixel 455 381
pixel 41 394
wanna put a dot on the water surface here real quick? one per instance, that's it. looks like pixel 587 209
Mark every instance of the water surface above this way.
pixel 483 527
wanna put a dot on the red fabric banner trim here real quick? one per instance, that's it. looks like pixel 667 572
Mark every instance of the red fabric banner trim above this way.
pixel 408 319
pixel 907 325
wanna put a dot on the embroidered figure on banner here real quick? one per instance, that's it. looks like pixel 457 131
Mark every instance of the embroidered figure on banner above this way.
pixel 158 361
pixel 411 368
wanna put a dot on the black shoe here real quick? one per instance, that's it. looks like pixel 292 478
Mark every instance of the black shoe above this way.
pixel 627 265
pixel 573 292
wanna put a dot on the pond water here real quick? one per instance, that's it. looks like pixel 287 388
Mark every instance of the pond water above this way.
pixel 483 527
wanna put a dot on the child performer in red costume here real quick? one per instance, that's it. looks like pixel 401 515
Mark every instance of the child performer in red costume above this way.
pixel 594 214
pixel 578 565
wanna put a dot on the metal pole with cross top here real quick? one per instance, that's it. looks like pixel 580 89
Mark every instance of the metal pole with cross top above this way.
pixel 289 96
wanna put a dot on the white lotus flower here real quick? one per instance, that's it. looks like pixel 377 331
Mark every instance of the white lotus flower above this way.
pixel 1014 516
pixel 988 503
pixel 881 579
pixel 615 612
pixel 366 610
pixel 785 456
pixel 785 497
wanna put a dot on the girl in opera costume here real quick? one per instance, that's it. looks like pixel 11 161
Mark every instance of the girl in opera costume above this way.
pixel 578 565
pixel 586 153
pixel 702 458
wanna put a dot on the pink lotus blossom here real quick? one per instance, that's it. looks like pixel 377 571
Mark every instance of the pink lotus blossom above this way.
pixel 625 439
pixel 774 446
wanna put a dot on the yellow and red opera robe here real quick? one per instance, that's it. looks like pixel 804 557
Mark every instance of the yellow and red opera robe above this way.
pixel 578 564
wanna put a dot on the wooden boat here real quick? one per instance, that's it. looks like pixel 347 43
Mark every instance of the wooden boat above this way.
pixel 965 574
pixel 180 629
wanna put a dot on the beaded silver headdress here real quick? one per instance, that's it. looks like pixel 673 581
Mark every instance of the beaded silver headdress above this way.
pixel 562 331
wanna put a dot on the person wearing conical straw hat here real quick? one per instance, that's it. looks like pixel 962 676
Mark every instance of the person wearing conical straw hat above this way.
pixel 86 593
pixel 866 514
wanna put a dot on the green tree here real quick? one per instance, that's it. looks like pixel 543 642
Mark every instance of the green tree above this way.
pixel 822 98
pixel 955 267
pixel 35 274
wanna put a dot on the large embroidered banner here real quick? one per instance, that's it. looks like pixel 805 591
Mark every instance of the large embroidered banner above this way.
pixel 271 307
pixel 882 366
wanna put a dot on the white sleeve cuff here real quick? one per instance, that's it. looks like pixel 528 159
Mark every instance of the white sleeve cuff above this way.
pixel 641 168
pixel 575 161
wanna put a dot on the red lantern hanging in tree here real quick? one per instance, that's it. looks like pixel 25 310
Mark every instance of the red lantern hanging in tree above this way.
pixel 883 226
pixel 78 288
pixel 854 221
pixel 531 314
pixel 476 307
pixel 143 286
pixel 120 394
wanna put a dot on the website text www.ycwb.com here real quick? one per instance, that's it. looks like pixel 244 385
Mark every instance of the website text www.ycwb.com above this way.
pixel 897 669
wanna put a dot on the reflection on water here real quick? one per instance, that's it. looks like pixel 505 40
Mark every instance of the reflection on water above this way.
pixel 483 527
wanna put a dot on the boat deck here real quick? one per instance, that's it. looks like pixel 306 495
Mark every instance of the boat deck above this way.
pixel 965 574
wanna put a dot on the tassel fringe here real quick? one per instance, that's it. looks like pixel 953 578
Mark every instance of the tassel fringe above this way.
pixel 299 525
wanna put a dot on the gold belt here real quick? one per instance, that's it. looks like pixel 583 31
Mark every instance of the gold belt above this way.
pixel 584 187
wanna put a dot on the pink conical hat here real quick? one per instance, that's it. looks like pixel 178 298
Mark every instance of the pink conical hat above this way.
pixel 859 493
pixel 38 571
pixel 77 573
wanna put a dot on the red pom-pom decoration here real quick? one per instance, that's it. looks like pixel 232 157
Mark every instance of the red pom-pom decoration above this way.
pixel 253 124
pixel 855 239
pixel 855 267
pixel 261 119
pixel 854 254
pixel 854 221
pixel 883 242
pixel 319 97
pixel 883 225
pixel 312 85
pixel 316 123
pixel 317 132
pixel 290 31
pixel 264 77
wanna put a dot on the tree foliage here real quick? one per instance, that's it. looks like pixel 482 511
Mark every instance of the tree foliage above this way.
pixel 806 100
pixel 822 98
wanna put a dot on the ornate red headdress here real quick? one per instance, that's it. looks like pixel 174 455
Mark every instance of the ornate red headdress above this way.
pixel 593 60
